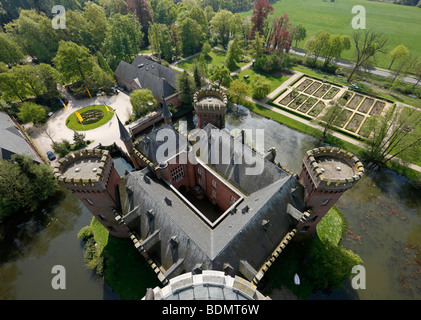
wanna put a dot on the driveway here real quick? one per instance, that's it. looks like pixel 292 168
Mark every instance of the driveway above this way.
pixel 55 128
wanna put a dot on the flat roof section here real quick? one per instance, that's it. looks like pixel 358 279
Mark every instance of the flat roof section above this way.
pixel 83 168
pixel 334 168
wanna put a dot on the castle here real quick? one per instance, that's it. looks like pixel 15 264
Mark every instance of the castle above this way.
pixel 186 215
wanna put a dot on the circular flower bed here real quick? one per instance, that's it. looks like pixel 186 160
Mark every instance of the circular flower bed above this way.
pixel 93 117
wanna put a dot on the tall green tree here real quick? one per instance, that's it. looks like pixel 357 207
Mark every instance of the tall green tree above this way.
pixel 185 87
pixel 220 75
pixel 34 34
pixel 24 185
pixel 123 40
pixel 300 33
pixel 221 26
pixel 142 101
pixel 397 53
pixel 32 112
pixel 73 61
pixel 234 53
pixel 10 52
pixel 191 36
pixel 260 87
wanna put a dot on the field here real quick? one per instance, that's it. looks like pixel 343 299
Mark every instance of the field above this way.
pixel 401 24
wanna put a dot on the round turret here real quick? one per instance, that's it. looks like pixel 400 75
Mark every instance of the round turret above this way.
pixel 211 106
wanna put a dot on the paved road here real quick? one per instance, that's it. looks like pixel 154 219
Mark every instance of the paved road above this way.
pixel 377 71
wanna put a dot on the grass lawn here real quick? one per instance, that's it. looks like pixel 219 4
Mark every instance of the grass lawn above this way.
pixel 125 270
pixel 216 57
pixel 73 123
pixel 275 80
pixel 401 24
pixel 320 262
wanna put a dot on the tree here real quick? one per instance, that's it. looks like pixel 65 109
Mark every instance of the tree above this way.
pixel 34 34
pixel 367 44
pixel 164 11
pixel 143 12
pixel 260 87
pixel 142 101
pixel 79 139
pixel 261 10
pixel 334 114
pixel 198 75
pixel 11 85
pixel 160 42
pixel 234 53
pixel 32 112
pixel 185 87
pixel 393 134
pixel 62 148
pixel 257 46
pixel 73 61
pixel 123 40
pixel 221 26
pixel 300 33
pixel 24 185
pixel 220 75
pixel 334 47
pixel 191 36
pixel 281 35
pixel 238 89
pixel 197 14
pixel 315 45
pixel 405 65
pixel 397 53
pixel 97 23
pixel 10 52
pixel 206 48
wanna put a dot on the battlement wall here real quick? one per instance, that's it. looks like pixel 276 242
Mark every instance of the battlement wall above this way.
pixel 210 92
pixel 319 177
pixel 96 180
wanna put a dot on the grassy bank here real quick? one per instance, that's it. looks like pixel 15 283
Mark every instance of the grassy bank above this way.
pixel 117 260
pixel 321 262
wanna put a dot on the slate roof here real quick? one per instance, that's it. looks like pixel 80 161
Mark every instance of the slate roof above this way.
pixel 239 236
pixel 149 145
pixel 12 140
pixel 159 79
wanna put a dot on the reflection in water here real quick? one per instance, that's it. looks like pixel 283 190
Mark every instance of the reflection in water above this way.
pixel 383 213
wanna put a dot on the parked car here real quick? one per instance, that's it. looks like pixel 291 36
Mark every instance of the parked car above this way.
pixel 51 156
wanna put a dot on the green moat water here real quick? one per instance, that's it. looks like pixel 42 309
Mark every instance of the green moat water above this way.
pixel 383 213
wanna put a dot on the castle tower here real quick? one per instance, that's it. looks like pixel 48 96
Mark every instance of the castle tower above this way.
pixel 128 142
pixel 326 173
pixel 210 106
pixel 91 176
pixel 166 114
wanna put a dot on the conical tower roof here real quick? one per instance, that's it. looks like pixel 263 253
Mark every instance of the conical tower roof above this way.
pixel 124 134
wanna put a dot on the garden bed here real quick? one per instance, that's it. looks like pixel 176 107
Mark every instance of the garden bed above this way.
pixel 307 104
pixel 365 130
pixel 331 93
pixel 315 111
pixel 303 85
pixel 288 98
pixel 377 108
pixel 298 101
pixel 313 87
pixel 365 105
pixel 322 90
pixel 355 101
pixel 355 122
pixel 343 118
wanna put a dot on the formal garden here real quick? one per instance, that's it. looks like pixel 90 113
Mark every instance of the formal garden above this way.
pixel 310 97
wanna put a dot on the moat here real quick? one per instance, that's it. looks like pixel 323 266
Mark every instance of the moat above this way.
pixel 383 213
